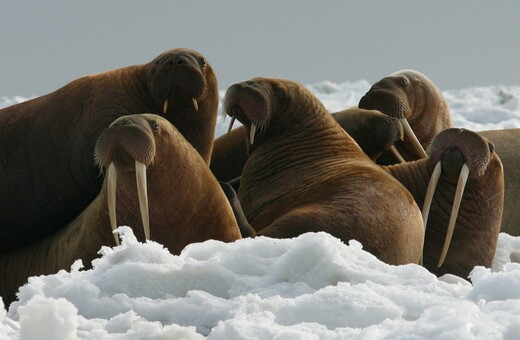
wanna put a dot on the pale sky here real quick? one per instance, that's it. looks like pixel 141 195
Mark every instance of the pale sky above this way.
pixel 46 44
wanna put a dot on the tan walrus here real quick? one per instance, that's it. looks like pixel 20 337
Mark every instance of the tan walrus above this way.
pixel 463 223
pixel 507 146
pixel 178 201
pixel 373 131
pixel 47 174
pixel 305 174
pixel 413 98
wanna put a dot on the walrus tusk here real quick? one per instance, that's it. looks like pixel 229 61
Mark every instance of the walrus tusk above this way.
pixel 142 193
pixel 413 138
pixel 111 194
pixel 252 134
pixel 463 178
pixel 231 124
pixel 396 154
pixel 195 104
pixel 165 106
pixel 434 179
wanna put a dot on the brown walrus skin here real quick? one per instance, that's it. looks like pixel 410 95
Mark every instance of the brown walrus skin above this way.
pixel 411 95
pixel 47 174
pixel 507 146
pixel 373 131
pixel 478 224
pixel 186 203
pixel 305 174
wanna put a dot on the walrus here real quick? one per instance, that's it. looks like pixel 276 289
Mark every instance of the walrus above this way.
pixel 463 214
pixel 305 174
pixel 507 146
pixel 372 130
pixel 413 98
pixel 186 203
pixel 47 174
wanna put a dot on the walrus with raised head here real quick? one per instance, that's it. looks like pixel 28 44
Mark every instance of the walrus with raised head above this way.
pixel 414 99
pixel 373 131
pixel 460 186
pixel 47 174
pixel 305 174
pixel 177 201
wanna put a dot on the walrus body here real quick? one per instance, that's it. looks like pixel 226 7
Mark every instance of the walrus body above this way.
pixel 187 203
pixel 47 174
pixel 477 226
pixel 305 174
pixel 373 131
pixel 412 96
pixel 507 146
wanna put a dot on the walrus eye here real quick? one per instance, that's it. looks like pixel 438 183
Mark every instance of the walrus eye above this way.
pixel 403 81
pixel 280 93
pixel 154 125
pixel 203 63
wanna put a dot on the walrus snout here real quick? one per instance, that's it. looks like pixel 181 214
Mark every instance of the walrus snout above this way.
pixel 384 101
pixel 125 141
pixel 474 149
pixel 179 76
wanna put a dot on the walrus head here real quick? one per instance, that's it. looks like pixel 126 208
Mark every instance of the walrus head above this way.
pixel 372 130
pixel 128 145
pixel 406 95
pixel 257 104
pixel 180 76
pixel 459 154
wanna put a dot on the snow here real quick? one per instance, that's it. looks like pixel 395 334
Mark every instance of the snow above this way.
pixel 310 287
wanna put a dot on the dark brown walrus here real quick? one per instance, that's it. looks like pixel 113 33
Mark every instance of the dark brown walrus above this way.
pixel 47 176
pixel 373 131
pixel 412 97
pixel 475 233
pixel 305 174
pixel 186 203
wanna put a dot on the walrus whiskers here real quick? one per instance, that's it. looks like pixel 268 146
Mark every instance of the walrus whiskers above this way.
pixel 111 194
pixel 413 138
pixel 142 193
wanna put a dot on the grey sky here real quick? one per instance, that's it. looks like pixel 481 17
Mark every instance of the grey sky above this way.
pixel 46 44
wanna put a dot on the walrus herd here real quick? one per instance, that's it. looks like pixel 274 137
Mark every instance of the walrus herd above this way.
pixel 135 146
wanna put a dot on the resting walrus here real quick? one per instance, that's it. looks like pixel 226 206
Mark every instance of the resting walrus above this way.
pixel 305 174
pixel 373 131
pixel 46 144
pixel 412 97
pixel 476 227
pixel 186 203
pixel 507 146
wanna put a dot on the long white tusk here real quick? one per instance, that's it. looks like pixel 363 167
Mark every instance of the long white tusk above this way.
pixel 231 124
pixel 463 178
pixel 252 134
pixel 165 106
pixel 195 104
pixel 432 185
pixel 142 193
pixel 396 154
pixel 434 179
pixel 413 138
pixel 111 196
